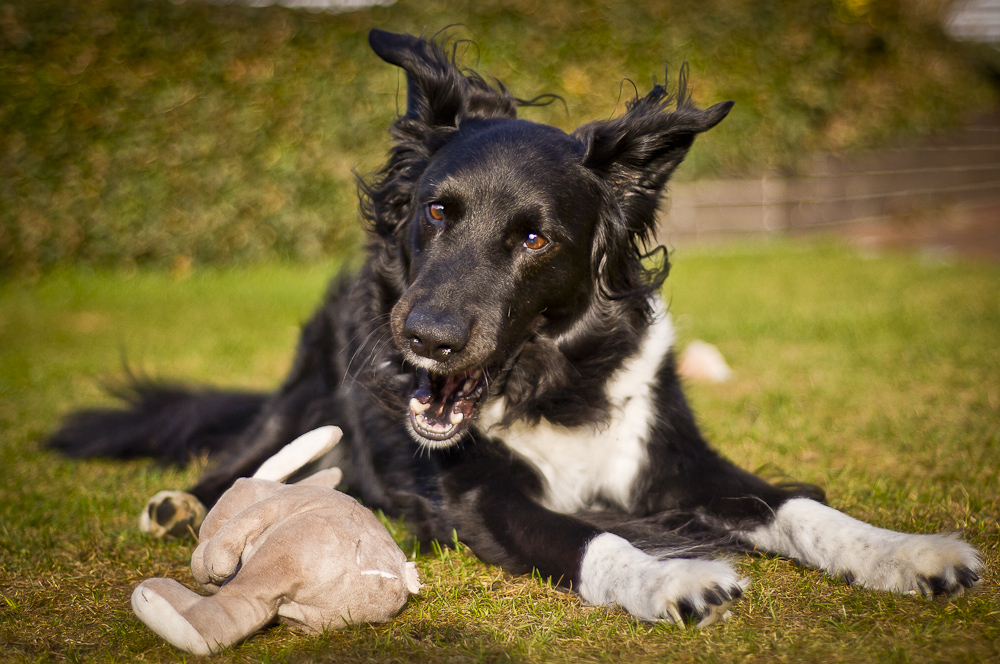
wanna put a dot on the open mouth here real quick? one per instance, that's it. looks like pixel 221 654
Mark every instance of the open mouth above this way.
pixel 441 407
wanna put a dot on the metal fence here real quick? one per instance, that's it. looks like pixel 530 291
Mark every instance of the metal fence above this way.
pixel 958 168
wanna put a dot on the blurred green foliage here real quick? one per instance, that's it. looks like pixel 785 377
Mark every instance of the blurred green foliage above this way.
pixel 154 132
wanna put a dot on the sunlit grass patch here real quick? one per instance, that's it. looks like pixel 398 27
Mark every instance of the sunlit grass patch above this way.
pixel 878 379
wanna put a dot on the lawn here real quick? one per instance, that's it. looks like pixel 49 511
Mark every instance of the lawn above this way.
pixel 875 377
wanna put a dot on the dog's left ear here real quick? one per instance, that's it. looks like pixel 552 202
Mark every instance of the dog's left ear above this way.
pixel 636 153
pixel 439 97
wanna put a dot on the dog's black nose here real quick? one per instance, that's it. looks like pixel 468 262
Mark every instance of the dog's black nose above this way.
pixel 435 336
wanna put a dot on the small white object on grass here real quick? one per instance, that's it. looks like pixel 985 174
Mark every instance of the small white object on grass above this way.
pixel 702 362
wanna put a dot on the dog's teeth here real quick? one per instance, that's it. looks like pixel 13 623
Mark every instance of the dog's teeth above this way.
pixel 418 407
pixel 469 385
pixel 456 417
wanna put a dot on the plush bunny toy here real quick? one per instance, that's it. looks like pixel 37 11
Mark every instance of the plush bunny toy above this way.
pixel 303 553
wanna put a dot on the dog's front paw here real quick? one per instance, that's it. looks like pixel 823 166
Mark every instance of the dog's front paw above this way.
pixel 694 591
pixel 172 514
pixel 928 565
pixel 680 590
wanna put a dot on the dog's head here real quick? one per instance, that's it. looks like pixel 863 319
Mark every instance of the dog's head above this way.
pixel 504 230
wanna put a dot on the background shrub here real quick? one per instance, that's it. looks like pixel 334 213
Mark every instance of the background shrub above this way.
pixel 151 132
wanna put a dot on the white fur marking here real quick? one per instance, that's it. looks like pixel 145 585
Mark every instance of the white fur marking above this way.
pixel 614 572
pixel 822 537
pixel 582 463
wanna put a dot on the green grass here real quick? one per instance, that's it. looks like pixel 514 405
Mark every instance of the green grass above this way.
pixel 877 378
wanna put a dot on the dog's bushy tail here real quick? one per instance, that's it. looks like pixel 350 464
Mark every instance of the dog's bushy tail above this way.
pixel 166 422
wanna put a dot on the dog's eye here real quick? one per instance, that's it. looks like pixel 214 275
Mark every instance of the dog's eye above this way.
pixel 435 211
pixel 535 241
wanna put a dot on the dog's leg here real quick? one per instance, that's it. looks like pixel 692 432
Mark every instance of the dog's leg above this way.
pixel 179 513
pixel 303 403
pixel 791 523
pixel 286 416
pixel 789 520
pixel 822 537
pixel 278 425
pixel 503 525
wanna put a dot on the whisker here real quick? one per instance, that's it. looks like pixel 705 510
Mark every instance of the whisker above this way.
pixel 363 345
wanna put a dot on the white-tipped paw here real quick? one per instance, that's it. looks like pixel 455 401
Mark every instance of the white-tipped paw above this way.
pixel 695 591
pixel 680 591
pixel 172 514
pixel 927 565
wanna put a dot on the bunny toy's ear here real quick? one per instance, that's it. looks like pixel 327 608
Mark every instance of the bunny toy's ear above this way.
pixel 303 450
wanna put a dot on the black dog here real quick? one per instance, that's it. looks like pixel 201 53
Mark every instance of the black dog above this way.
pixel 502 368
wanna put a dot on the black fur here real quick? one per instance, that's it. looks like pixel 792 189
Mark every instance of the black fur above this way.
pixel 506 260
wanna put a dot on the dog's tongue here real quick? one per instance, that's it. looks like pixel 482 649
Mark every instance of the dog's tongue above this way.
pixel 442 406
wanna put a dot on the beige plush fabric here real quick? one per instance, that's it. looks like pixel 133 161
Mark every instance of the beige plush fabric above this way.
pixel 304 553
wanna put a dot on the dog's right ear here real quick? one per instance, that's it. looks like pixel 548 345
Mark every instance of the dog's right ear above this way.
pixel 438 94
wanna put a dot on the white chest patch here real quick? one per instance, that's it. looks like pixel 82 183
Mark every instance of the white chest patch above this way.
pixel 582 464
